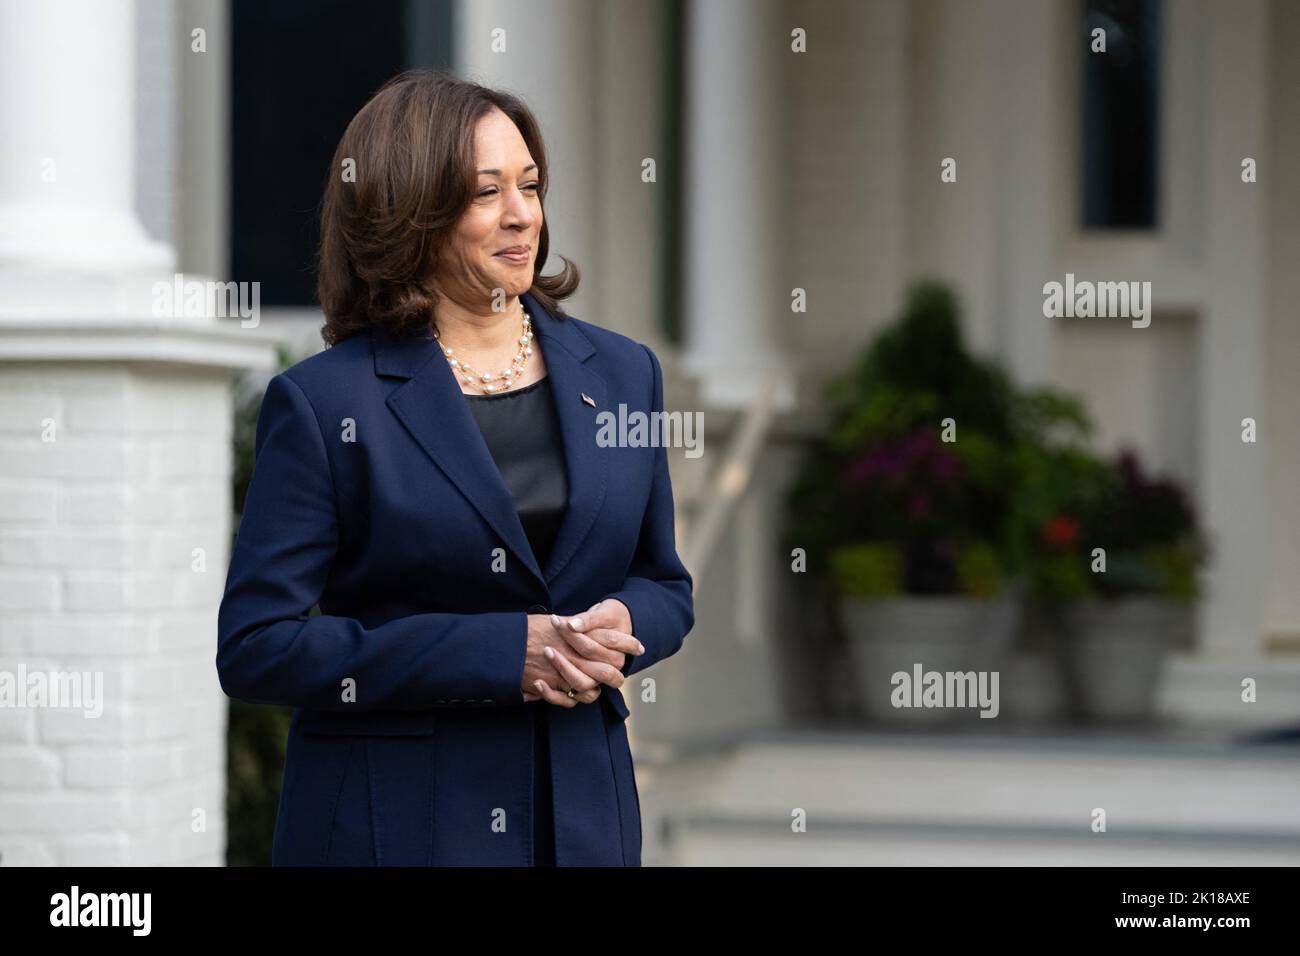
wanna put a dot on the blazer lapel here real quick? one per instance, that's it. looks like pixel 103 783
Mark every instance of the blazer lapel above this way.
pixel 433 409
pixel 566 350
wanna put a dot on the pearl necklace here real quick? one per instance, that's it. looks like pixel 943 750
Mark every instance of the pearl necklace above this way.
pixel 486 380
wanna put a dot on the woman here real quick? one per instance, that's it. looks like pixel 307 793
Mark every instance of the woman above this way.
pixel 487 573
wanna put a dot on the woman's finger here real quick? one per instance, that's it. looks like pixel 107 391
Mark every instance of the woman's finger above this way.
pixel 595 671
pixel 598 643
pixel 610 613
pixel 573 636
pixel 586 697
pixel 602 672
pixel 576 678
pixel 618 640
pixel 554 696
pixel 586 645
pixel 588 625
pixel 604 644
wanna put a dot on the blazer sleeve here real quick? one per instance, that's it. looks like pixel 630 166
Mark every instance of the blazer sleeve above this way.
pixel 269 651
pixel 658 588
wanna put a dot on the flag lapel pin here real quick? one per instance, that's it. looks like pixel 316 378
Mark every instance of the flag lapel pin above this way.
pixel 588 399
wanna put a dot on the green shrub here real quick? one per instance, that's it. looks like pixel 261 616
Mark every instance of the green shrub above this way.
pixel 885 474
pixel 979 571
pixel 868 571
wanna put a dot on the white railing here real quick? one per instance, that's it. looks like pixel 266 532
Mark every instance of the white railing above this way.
pixel 727 484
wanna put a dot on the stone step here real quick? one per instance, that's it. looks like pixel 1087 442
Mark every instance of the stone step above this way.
pixel 877 798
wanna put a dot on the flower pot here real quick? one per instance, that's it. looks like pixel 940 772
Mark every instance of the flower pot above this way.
pixel 1034 689
pixel 1115 653
pixel 943 634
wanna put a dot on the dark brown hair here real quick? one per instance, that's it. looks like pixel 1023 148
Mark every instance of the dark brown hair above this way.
pixel 413 149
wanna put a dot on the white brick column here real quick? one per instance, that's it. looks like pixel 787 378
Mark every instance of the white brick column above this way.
pixel 114 473
pixel 732 227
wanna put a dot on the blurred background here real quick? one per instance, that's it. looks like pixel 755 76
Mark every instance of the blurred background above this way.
pixel 833 221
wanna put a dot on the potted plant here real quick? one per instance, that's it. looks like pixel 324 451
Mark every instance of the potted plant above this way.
pixel 1053 475
pixel 1141 602
pixel 904 508
pixel 1119 561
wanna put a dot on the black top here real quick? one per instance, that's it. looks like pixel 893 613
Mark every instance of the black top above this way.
pixel 523 435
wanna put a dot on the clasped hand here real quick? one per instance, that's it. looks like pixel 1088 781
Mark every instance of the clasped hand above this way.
pixel 580 652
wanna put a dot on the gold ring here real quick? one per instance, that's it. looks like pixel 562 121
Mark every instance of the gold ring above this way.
pixel 572 694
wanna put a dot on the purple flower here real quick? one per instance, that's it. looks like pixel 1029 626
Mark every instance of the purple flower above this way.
pixel 915 458
pixel 946 467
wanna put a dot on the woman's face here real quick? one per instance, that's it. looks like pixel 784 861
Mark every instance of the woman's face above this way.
pixel 505 213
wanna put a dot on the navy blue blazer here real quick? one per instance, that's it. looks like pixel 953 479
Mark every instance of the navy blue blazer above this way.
pixel 374 495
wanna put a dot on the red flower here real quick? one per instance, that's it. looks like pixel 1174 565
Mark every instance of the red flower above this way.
pixel 1061 531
